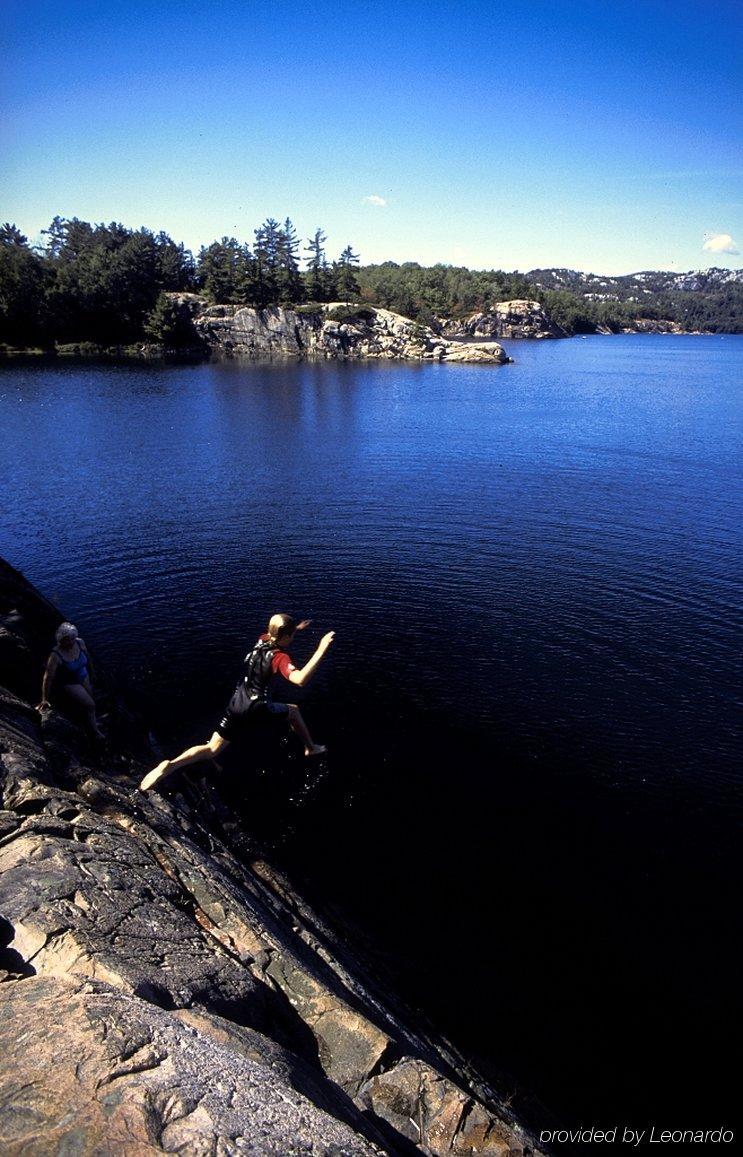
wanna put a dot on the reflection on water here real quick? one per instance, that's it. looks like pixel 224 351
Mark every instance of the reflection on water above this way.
pixel 533 572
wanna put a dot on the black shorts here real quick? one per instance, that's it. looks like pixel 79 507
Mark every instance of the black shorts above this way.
pixel 233 724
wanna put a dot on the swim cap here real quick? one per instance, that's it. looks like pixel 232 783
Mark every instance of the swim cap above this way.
pixel 64 630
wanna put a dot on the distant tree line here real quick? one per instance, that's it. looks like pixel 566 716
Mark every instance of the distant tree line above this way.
pixel 104 284
pixel 718 310
pixel 428 293
pixel 108 285
pixel 88 283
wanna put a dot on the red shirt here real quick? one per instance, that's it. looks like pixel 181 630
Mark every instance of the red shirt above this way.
pixel 281 664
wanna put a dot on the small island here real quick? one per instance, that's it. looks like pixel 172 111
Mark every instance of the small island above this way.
pixel 96 289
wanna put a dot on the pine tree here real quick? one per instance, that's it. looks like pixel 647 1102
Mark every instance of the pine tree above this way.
pixel 221 270
pixel 247 287
pixel 346 284
pixel 170 324
pixel 23 281
pixel 289 281
pixel 266 253
pixel 176 268
pixel 317 272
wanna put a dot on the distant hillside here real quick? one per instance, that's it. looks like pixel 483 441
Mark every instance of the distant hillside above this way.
pixel 708 300
pixel 634 286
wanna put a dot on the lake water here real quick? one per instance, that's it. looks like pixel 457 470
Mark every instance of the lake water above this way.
pixel 534 576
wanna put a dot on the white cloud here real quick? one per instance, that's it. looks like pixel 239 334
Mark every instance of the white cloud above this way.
pixel 373 199
pixel 721 243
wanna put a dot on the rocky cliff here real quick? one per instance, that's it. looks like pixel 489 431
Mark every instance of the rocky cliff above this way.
pixel 654 325
pixel 163 988
pixel 507 319
pixel 528 319
pixel 334 331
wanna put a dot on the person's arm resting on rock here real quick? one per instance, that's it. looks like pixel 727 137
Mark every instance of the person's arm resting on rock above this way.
pixel 51 667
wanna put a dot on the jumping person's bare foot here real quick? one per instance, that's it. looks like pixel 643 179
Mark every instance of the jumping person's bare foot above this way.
pixel 153 776
pixel 316 749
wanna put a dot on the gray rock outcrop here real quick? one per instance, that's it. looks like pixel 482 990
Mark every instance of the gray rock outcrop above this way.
pixel 656 325
pixel 163 991
pixel 506 319
pixel 337 331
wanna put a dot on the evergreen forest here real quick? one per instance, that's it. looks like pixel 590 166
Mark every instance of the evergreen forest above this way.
pixel 107 285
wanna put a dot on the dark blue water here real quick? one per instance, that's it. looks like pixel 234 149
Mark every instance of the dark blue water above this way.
pixel 534 576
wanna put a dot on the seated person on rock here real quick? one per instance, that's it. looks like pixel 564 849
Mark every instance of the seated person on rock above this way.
pixel 68 671
pixel 251 697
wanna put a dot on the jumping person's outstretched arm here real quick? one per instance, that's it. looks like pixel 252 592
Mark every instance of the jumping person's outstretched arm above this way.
pixel 301 676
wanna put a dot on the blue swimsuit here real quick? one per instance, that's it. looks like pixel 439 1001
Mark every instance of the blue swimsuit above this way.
pixel 72 670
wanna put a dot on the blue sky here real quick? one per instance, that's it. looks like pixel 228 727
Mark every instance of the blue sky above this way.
pixel 604 136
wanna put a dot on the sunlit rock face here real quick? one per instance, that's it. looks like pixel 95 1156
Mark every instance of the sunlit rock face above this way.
pixel 507 319
pixel 336 330
pixel 651 325
pixel 164 988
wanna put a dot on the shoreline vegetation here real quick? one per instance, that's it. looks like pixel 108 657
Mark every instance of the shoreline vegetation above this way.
pixel 95 290
pixel 149 352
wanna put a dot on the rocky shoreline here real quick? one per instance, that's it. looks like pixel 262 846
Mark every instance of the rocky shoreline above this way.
pixel 165 988
pixel 342 331
pixel 520 319
pixel 337 331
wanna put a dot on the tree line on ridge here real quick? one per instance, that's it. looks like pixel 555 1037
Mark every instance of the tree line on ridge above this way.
pixel 106 285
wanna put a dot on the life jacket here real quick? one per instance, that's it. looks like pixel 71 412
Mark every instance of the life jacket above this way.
pixel 253 687
pixel 259 669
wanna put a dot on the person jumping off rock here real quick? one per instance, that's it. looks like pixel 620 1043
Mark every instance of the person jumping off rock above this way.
pixel 251 698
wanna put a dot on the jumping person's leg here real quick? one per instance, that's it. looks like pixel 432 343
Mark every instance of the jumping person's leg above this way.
pixel 196 754
pixel 83 697
pixel 297 724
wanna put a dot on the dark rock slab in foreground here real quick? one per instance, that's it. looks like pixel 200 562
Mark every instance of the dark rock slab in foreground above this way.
pixel 160 993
